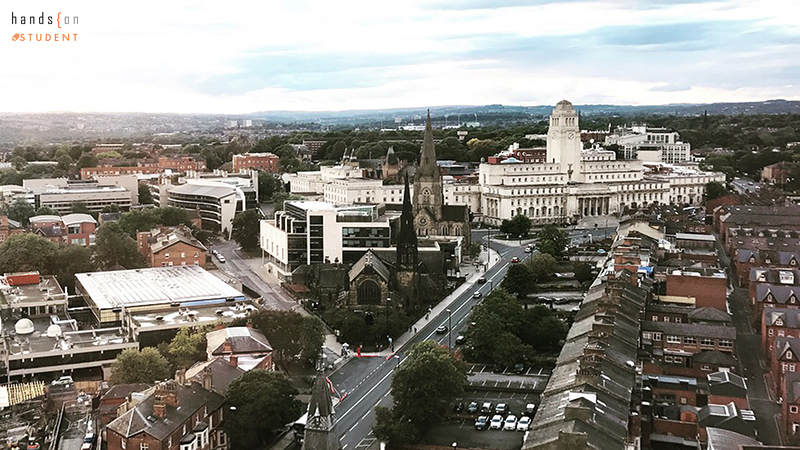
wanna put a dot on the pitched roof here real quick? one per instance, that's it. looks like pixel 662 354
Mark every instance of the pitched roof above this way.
pixel 780 294
pixel 788 317
pixel 691 329
pixel 141 419
pixel 241 340
pixel 370 260
pixel 706 314
pixel 222 373
pixel 714 357
pixel 783 344
pixel 171 237
pixel 721 439
pixel 121 391
pixel 724 382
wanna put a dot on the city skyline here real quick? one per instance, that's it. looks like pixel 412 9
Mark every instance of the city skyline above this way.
pixel 211 57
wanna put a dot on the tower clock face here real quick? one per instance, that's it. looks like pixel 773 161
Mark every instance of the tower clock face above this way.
pixel 571 136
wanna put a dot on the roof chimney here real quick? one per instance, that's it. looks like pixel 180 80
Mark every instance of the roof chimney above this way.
pixel 207 380
pixel 234 361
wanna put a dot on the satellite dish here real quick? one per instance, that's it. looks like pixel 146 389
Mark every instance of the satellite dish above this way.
pixel 24 326
pixel 53 331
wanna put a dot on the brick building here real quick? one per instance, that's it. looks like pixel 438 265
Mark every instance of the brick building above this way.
pixel 785 360
pixel 182 163
pixel 777 173
pixel 107 170
pixel 778 322
pixel 790 405
pixel 726 387
pixel 8 227
pixel 243 347
pixel 775 295
pixel 72 229
pixel 707 286
pixel 171 246
pixel 266 162
pixel 776 276
pixel 171 417
pixel 675 345
pixel 749 258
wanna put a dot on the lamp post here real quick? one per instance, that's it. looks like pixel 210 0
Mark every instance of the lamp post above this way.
pixel 449 328
pixel 388 302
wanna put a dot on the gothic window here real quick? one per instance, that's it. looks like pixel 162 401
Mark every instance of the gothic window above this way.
pixel 426 195
pixel 369 293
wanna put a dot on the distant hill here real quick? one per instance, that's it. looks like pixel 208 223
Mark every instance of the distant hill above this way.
pixel 464 111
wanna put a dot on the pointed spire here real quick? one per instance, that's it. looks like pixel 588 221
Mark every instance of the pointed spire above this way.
pixel 406 236
pixel 427 160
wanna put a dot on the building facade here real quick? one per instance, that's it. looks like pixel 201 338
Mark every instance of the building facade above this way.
pixel 650 144
pixel 265 162
pixel 171 246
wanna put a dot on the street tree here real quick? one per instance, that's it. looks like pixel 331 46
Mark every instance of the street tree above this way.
pixel 145 196
pixel 260 404
pixel 552 240
pixel 423 388
pixel 135 366
pixel 519 280
pixel 519 225
pixel 474 250
pixel 114 247
pixel 246 227
pixel 20 210
pixel 714 190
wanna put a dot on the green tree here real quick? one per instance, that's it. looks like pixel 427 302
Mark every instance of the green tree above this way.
pixel 113 247
pixel 246 228
pixel 20 210
pixel 715 189
pixel 188 347
pixel 112 208
pixel 583 272
pixel 134 366
pixel 498 319
pixel 145 196
pixel 19 162
pixel 519 280
pixel 262 403
pixel 80 208
pixel 395 431
pixel 289 334
pixel 519 225
pixel 27 252
pixel 542 267
pixel 72 259
pixel 552 240
pixel 423 388
pixel 86 160
pixel 474 250
pixel 542 330
pixel 46 211
pixel 312 337
pixel 268 185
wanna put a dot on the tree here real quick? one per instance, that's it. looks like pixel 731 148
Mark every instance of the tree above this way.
pixel 64 162
pixel 145 196
pixel 583 272
pixel 188 347
pixel 46 211
pixel 423 388
pixel 69 260
pixel 715 189
pixel 289 334
pixel 264 403
pixel 499 318
pixel 20 210
pixel 312 337
pixel 268 184
pixel 113 247
pixel 519 225
pixel 19 162
pixel 474 250
pixel 134 366
pixel 112 208
pixel 552 240
pixel 86 160
pixel 26 252
pixel 542 267
pixel 246 228
pixel 519 280
pixel 80 208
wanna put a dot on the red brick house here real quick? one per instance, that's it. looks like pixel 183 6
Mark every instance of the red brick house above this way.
pixel 266 162
pixel 182 163
pixel 707 286
pixel 775 295
pixel 8 227
pixel 790 406
pixel 171 246
pixel 727 387
pixel 778 322
pixel 683 348
pixel 772 275
pixel 747 259
pixel 785 360
pixel 171 417
pixel 243 347
pixel 72 229
pixel 115 397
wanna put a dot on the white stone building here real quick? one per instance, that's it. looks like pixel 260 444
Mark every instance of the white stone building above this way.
pixel 651 144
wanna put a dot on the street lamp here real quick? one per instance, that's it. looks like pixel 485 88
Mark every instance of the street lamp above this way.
pixel 449 328
pixel 388 302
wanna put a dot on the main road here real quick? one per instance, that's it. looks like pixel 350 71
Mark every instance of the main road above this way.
pixel 367 381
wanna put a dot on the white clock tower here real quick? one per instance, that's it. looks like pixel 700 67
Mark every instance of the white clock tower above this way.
pixel 564 139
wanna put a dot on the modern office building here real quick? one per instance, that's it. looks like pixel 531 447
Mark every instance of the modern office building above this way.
pixel 650 144
pixel 218 197
pixel 60 194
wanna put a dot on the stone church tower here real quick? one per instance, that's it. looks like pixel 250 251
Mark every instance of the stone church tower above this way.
pixel 428 195
pixel 407 261
pixel 320 433
pixel 564 140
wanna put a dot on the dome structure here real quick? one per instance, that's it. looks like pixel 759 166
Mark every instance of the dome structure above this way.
pixel 563 105
pixel 53 331
pixel 24 326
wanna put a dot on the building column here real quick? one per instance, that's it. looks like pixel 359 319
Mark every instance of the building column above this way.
pixel 593 206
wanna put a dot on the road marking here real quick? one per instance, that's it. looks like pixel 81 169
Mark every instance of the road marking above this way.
pixel 367 394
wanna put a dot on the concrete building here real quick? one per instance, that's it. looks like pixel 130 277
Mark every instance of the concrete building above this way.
pixel 60 194
pixel 265 162
pixel 307 232
pixel 157 298
pixel 650 144
pixel 171 246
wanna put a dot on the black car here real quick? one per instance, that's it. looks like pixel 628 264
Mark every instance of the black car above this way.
pixel 458 407
pixel 461 339
pixel 472 408
pixel 519 368
pixel 481 423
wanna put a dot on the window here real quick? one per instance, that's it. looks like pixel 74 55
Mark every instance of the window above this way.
pixel 677 320
pixel 677 359
pixel 689 340
pixel 673 339
pixel 707 342
pixel 793 409
pixel 647 335
pixel 183 255
pixel 144 446
pixel 789 354
pixel 666 318
pixel 668 358
pixel 725 343
pixel 771 332
pixel 123 443
pixel 166 255
pixel 705 367
pixel 657 337
pixel 792 367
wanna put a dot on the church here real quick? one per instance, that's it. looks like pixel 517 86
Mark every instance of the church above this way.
pixel 431 216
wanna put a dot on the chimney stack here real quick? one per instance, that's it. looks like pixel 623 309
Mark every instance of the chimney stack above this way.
pixel 180 376
pixel 234 361
pixel 159 409
pixel 207 380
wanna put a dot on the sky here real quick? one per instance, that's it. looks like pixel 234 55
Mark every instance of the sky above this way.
pixel 235 57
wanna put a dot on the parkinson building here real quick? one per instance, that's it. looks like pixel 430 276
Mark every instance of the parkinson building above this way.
pixel 573 183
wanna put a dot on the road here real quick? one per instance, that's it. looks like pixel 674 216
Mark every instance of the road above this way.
pixel 235 265
pixel 745 186
pixel 367 381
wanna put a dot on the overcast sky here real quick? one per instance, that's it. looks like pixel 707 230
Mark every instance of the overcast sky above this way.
pixel 243 56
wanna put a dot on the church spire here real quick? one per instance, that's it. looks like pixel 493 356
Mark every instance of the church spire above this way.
pixel 320 422
pixel 427 160
pixel 406 237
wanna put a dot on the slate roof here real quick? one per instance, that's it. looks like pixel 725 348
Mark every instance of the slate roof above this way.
pixel 774 275
pixel 721 439
pixel 241 339
pixel 790 317
pixel 140 419
pixel 706 314
pixel 780 294
pixel 222 373
pixel 372 261
pixel 714 357
pixel 691 329
pixel 782 344
pixel 168 238
pixel 455 213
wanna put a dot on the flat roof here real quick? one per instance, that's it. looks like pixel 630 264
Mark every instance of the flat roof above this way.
pixel 186 285
pixel 695 237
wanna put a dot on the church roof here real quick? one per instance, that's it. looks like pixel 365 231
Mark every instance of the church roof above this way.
pixel 455 213
pixel 370 260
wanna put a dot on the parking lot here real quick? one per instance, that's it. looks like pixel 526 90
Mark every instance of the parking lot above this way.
pixel 460 428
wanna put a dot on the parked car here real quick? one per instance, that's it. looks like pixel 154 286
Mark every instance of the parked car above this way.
pixel 501 408
pixel 62 381
pixel 441 329
pixel 481 422
pixel 519 368
pixel 511 423
pixel 530 409
pixel 497 422
pixel 524 423
pixel 486 408
pixel 461 339
pixel 472 408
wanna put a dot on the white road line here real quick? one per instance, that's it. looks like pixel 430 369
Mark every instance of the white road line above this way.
pixel 366 395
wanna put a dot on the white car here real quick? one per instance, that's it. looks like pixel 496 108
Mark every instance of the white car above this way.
pixel 496 423
pixel 511 423
pixel 63 381
pixel 524 423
